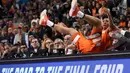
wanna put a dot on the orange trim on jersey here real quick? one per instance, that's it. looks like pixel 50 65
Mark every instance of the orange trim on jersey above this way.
pixel 85 45
pixel 106 40
pixel 88 46
pixel 95 30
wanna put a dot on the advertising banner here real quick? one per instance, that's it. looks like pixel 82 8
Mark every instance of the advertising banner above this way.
pixel 78 66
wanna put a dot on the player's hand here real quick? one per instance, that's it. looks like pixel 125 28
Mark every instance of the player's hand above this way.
pixel 106 11
pixel 103 11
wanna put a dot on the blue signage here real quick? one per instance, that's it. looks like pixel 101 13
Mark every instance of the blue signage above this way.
pixel 84 66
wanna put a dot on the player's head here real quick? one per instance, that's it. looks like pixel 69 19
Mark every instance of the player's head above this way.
pixel 105 21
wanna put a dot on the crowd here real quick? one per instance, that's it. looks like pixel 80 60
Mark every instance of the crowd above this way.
pixel 22 37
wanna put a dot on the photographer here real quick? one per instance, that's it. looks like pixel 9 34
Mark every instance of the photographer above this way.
pixel 22 51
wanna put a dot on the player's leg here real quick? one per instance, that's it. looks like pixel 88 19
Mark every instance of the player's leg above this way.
pixel 78 39
pixel 44 21
pixel 65 30
pixel 75 12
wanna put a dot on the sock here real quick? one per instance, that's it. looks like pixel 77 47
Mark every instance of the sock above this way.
pixel 50 23
pixel 80 14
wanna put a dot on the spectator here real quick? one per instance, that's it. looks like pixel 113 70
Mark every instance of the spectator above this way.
pixel 59 47
pixel 15 31
pixel 69 47
pixel 101 10
pixel 10 24
pixel 4 34
pixel 47 44
pixel 1 23
pixel 25 36
pixel 13 51
pixel 1 49
pixel 88 8
pixel 22 52
pixel 6 51
pixel 30 38
pixel 94 8
pixel 35 48
pixel 43 41
pixel 34 30
pixel 10 35
pixel 58 44
pixel 122 22
pixel 18 36
pixel 97 8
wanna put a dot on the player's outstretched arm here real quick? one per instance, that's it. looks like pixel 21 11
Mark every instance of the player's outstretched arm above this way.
pixel 112 26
